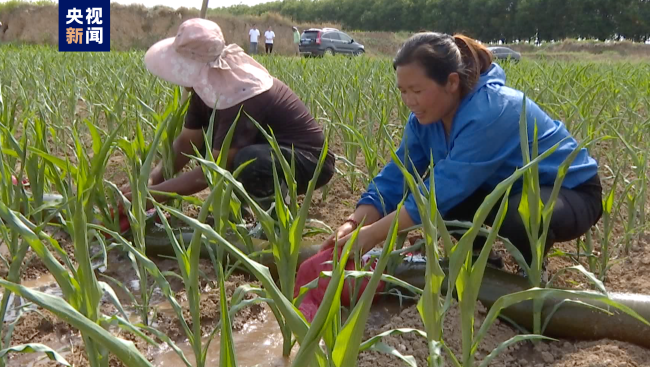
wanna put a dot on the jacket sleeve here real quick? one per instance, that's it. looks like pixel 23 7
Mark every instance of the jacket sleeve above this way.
pixel 388 188
pixel 485 141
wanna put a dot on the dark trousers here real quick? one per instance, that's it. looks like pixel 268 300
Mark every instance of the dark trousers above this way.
pixel 575 212
pixel 257 177
pixel 269 48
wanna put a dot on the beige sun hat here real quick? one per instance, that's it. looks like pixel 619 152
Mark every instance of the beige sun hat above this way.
pixel 198 57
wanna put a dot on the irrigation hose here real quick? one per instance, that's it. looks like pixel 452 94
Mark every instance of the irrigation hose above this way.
pixel 569 321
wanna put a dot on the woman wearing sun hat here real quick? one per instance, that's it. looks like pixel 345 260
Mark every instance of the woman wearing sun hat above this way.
pixel 226 78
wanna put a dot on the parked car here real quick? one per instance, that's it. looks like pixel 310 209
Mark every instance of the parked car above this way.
pixel 328 41
pixel 505 53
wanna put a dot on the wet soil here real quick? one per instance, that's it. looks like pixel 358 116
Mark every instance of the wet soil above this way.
pixel 40 326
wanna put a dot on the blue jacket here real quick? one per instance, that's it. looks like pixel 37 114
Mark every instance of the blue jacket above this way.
pixel 483 150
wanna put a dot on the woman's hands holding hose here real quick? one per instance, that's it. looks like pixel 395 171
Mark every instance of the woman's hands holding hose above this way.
pixel 375 229
pixel 369 235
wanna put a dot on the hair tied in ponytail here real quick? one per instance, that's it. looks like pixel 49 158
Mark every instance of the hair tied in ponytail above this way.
pixel 438 54
pixel 477 59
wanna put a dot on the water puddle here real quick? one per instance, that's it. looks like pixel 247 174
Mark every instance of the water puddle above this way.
pixel 259 344
pixel 44 283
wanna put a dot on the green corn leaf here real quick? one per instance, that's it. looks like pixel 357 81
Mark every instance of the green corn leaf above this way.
pixel 386 349
pixel 534 293
pixel 377 338
pixel 292 315
pixel 589 275
pixel 68 284
pixel 328 308
pixel 227 355
pixel 134 302
pixel 357 274
pixel 124 350
pixel 557 306
pixel 94 134
pixel 222 161
pixel 609 201
pixel 36 348
pixel 348 341
pixel 503 346
pixel 58 162
pixel 128 326
pixel 107 290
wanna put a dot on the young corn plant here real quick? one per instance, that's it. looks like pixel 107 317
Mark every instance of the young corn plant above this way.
pixel 610 208
pixel 369 147
pixel 11 153
pixel 173 117
pixel 288 227
pixel 82 292
pixel 347 113
pixel 343 350
pixel 635 198
pixel 291 220
pixel 140 159
pixel 463 274
pixel 536 214
pixel 188 262
pixel 344 342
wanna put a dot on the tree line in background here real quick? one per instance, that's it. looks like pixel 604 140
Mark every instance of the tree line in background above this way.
pixel 487 20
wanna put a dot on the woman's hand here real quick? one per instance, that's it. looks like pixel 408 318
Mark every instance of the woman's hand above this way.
pixel 156 175
pixel 371 234
pixel 344 230
pixel 367 238
pixel 126 191
pixel 155 178
pixel 366 213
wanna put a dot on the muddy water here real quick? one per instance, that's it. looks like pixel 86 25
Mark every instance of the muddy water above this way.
pixel 45 283
pixel 258 344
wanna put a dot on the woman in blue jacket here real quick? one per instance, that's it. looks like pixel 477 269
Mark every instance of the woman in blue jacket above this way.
pixel 464 116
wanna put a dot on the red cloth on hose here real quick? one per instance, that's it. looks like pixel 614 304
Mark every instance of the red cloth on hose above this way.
pixel 124 219
pixel 312 267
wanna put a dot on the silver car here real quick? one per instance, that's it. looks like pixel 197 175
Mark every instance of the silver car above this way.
pixel 505 53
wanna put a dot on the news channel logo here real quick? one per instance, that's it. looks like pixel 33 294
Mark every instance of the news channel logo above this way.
pixel 84 25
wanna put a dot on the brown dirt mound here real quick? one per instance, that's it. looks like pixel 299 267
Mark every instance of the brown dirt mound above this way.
pixel 136 26
pixel 568 47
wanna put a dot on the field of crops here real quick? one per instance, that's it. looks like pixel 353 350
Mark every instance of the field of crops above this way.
pixel 78 292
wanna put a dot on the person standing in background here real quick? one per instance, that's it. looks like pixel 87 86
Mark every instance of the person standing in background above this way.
pixel 269 35
pixel 296 40
pixel 254 34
